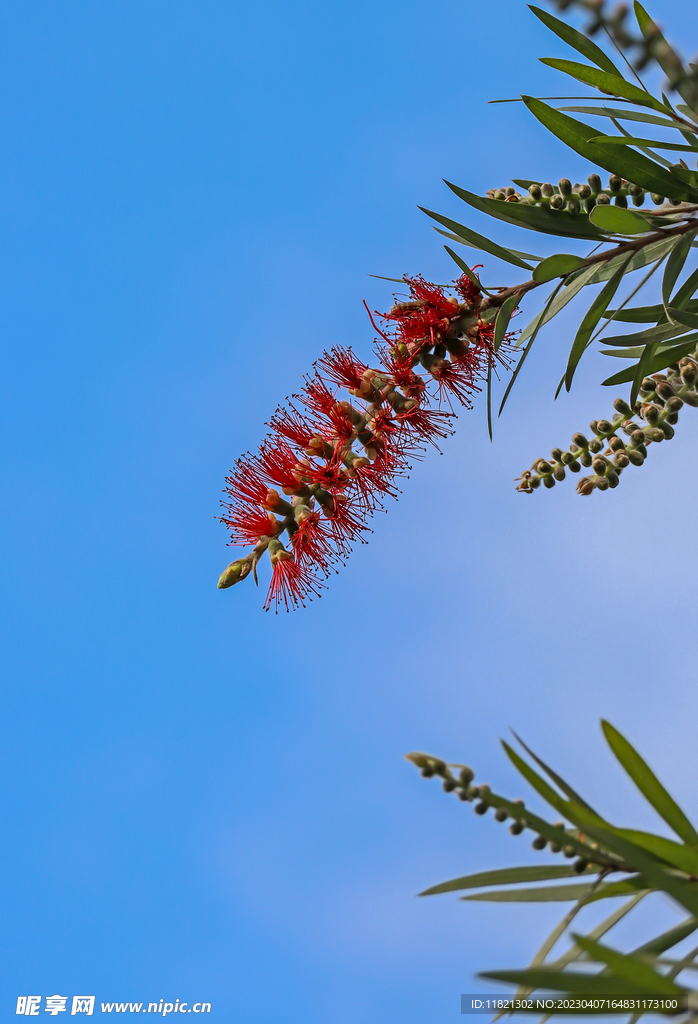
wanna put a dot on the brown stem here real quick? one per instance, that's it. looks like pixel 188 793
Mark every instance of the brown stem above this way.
pixel 632 246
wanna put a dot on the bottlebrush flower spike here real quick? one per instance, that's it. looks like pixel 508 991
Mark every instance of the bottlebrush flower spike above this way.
pixel 340 445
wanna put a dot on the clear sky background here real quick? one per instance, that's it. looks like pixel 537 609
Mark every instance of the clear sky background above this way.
pixel 202 801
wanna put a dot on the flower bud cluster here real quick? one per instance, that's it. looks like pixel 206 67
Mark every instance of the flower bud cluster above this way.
pixel 329 459
pixel 576 197
pixel 662 396
pixel 569 842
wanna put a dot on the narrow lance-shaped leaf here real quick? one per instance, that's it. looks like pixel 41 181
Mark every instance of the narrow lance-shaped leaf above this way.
pixel 649 785
pixel 503 318
pixel 590 321
pixel 629 967
pixel 579 42
pixel 465 241
pixel 566 981
pixel 571 793
pixel 646 314
pixel 608 83
pixel 534 335
pixel 479 241
pixel 641 371
pixel 533 218
pixel 506 876
pixel 623 115
pixel 618 160
pixel 663 53
pixel 629 140
pixel 674 265
pixel 463 266
pixel 542 894
pixel 686 292
pixel 664 356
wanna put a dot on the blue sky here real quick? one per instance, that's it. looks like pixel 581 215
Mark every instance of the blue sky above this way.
pixel 204 802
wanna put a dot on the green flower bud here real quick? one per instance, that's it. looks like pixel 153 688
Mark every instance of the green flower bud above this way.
pixel 448 785
pixel 599 466
pixel 584 191
pixel 466 776
pixel 534 482
pixel 615 183
pixel 612 477
pixel 482 807
pixel 691 398
pixel 500 195
pixel 595 446
pixel 556 454
pixel 569 851
pixel 539 843
pixel 473 791
pixel 665 389
pixel 580 865
pixel 635 456
pixel 636 190
pixel 604 427
pixel 585 459
pixel 565 187
pixel 650 413
pixel 535 192
pixel 543 467
pixel 657 199
pixel 589 204
pixel 510 191
pixel 559 472
pixel 689 373
pixel 621 201
pixel 655 434
pixel 548 482
pixel 516 828
pixel 602 199
pixel 639 200
pixel 616 444
pixel 580 440
pixel 594 183
pixel 557 202
pixel 574 206
pixel 668 431
pixel 621 460
pixel 672 418
pixel 621 406
pixel 601 482
pixel 547 189
pixel 501 814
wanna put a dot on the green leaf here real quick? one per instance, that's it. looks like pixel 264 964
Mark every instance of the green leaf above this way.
pixel 565 981
pixel 670 938
pixel 465 241
pixel 641 371
pixel 557 266
pixel 674 265
pixel 629 140
pixel 685 858
pixel 533 218
pixel 542 787
pixel 623 353
pixel 626 115
pixel 663 357
pixel 649 785
pixel 462 265
pixel 686 292
pixel 560 782
pixel 646 314
pixel 662 52
pixel 608 83
pixel 503 318
pixel 636 884
pixel 660 333
pixel 634 970
pixel 478 241
pixel 543 894
pixel 618 220
pixel 558 301
pixel 651 253
pixel 579 42
pixel 507 876
pixel 655 874
pixel 618 160
pixel 683 317
pixel 534 334
pixel 591 319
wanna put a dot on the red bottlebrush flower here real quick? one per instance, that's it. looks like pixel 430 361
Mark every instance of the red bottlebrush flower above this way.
pixel 456 379
pixel 292 425
pixel 278 462
pixel 291 584
pixel 341 366
pixel 249 525
pixel 313 543
pixel 336 459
